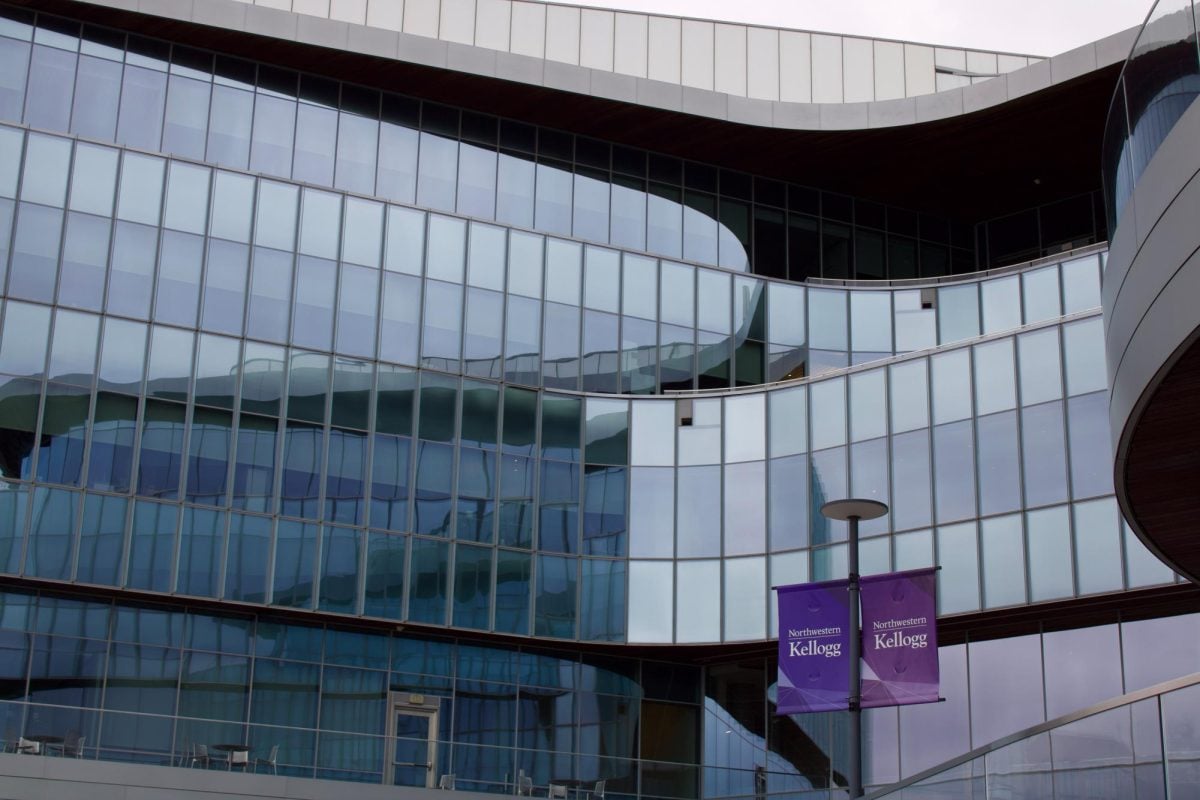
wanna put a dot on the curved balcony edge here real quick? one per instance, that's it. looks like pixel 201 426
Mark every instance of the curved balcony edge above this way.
pixel 1149 693
pixel 1151 330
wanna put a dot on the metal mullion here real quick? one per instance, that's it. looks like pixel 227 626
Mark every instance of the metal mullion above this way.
pixel 323 526
pixel 1072 534
pixel 1019 418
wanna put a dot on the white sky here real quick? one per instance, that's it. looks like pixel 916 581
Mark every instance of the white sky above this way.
pixel 1036 27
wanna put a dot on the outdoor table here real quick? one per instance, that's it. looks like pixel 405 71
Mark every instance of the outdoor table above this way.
pixel 231 749
pixel 44 739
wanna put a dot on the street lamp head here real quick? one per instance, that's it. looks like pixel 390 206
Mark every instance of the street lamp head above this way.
pixel 854 507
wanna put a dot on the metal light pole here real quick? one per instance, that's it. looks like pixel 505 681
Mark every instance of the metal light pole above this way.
pixel 852 511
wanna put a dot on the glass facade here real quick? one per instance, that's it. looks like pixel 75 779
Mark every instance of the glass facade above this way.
pixel 287 363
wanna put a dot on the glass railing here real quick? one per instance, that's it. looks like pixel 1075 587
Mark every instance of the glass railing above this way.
pixel 1160 79
pixel 1142 744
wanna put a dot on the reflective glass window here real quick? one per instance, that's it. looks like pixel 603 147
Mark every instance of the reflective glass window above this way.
pixel 246 558
pixel 650 588
pixel 698 512
pixel 143 96
pixel 745 598
pixel 552 204
pixel 1044 454
pixel 160 464
pixel 50 548
pixel 653 433
pixel 357 301
pixel 1041 294
pixel 828 480
pixel 295 553
pixel 485 257
pixel 427 580
pixel 35 250
pixel 233 198
pixel 1081 284
pixel 397 171
pixel 1083 343
pixel 1003 559
pixel 995 384
pixel 26 334
pixel 564 271
pixel 316 134
pixel 602 279
pixel 446 256
pixel 437 172
pixel 186 125
pixel 639 287
pixel 999 464
pixel 828 413
pixel 1091 450
pixel 1001 304
pixel 909 393
pixel 1011 668
pixel 139 197
pixel 954 461
pixel 1048 534
pixel 870 322
pixel 274 131
pixel 399 326
pixel 1041 376
pixel 958 312
pixel 230 117
pixel 152 546
pixel 1098 546
pixel 515 190
pixel 224 287
pixel 47 161
pixel 745 508
pixel 64 428
pixel 320 224
pixel 951 382
pixel 73 351
pixel 93 179
pixel 275 225
pixel 911 480
pixel 651 512
pixel 111 455
pixel 201 537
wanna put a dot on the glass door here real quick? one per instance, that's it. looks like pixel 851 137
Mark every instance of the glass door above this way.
pixel 412 747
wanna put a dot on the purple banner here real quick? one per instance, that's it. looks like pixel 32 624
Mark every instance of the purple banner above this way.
pixel 814 671
pixel 899 638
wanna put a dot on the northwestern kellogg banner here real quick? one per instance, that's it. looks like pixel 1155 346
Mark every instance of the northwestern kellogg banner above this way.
pixel 899 639
pixel 814 641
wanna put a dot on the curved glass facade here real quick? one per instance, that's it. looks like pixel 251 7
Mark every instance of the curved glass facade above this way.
pixel 145 93
pixel 406 407
pixel 1160 79
pixel 355 424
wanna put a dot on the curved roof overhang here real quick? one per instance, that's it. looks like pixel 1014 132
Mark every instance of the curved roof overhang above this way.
pixel 1035 137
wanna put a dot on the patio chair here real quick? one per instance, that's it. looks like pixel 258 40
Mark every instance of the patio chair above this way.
pixel 524 784
pixel 598 791
pixel 239 759
pixel 199 756
pixel 446 782
pixel 269 761
pixel 71 747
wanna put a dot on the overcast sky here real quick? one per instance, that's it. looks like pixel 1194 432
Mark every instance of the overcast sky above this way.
pixel 1036 27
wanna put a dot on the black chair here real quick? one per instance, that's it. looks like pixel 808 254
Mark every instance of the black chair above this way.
pixel 71 747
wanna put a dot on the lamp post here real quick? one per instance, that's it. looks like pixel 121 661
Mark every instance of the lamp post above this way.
pixel 853 510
